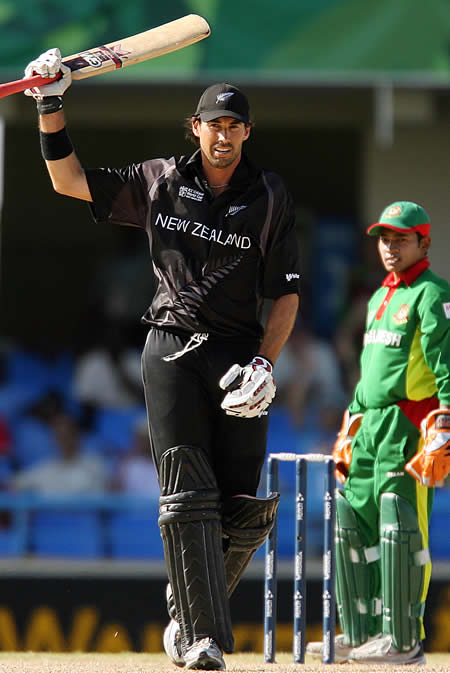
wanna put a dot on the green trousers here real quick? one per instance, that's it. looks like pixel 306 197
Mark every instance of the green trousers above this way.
pixel 385 442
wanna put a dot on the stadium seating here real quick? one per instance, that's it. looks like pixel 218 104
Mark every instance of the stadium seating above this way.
pixel 118 527
pixel 134 534
pixel 66 534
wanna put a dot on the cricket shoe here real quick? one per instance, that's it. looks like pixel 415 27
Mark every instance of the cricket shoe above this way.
pixel 342 651
pixel 205 655
pixel 172 643
pixel 382 651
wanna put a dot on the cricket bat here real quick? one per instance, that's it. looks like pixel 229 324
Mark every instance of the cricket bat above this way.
pixel 124 52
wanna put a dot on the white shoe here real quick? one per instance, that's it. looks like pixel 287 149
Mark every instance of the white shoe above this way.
pixel 382 651
pixel 342 651
pixel 205 655
pixel 172 643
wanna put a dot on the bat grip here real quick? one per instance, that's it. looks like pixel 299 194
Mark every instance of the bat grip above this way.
pixel 26 83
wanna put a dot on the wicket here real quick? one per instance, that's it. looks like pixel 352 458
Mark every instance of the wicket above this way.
pixel 329 564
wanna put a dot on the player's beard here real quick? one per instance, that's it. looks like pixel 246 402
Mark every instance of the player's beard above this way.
pixel 227 159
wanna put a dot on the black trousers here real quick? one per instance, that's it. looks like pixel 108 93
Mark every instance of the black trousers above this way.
pixel 183 405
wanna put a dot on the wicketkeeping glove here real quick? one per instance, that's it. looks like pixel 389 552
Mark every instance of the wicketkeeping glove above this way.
pixel 250 389
pixel 49 64
pixel 431 464
pixel 342 450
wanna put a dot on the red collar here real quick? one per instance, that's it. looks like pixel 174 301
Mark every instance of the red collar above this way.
pixel 408 276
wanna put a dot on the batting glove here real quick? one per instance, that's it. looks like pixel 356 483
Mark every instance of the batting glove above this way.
pixel 250 389
pixel 431 464
pixel 49 64
pixel 342 450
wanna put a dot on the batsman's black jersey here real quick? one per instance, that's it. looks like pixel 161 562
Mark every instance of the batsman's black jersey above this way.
pixel 215 259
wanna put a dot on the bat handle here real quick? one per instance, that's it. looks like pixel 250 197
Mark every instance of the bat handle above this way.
pixel 26 83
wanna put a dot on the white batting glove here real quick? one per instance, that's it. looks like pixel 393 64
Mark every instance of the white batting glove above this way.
pixel 49 64
pixel 251 388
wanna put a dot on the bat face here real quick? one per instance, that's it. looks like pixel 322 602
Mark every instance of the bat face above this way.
pixel 137 48
pixel 130 50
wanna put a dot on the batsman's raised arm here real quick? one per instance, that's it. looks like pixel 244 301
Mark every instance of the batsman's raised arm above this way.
pixel 65 170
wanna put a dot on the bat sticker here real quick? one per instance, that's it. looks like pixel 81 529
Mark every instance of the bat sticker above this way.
pixel 96 58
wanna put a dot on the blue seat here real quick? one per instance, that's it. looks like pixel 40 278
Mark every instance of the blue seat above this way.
pixel 29 368
pixel 135 534
pixel 286 531
pixel 13 536
pixel 6 470
pixel 25 367
pixel 33 442
pixel 439 539
pixel 15 398
pixel 286 510
pixel 282 435
pixel 115 427
pixel 67 534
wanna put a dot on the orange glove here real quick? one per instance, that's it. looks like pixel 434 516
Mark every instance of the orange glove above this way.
pixel 431 464
pixel 342 450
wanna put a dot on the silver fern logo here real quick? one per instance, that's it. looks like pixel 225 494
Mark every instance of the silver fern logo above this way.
pixel 192 295
pixel 235 209
pixel 222 97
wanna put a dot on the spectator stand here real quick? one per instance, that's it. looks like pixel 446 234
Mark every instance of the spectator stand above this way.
pixel 123 525
pixel 91 527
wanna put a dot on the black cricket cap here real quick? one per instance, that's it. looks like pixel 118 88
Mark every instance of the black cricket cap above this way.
pixel 223 100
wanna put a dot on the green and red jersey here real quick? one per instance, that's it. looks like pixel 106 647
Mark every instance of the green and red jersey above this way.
pixel 406 353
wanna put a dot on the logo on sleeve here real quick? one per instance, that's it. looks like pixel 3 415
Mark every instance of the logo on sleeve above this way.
pixel 292 276
pixel 401 317
pixel 446 307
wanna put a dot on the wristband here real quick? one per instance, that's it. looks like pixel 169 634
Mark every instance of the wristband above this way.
pixel 49 104
pixel 55 146
pixel 262 361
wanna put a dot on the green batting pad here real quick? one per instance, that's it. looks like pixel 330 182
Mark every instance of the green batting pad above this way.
pixel 402 571
pixel 358 608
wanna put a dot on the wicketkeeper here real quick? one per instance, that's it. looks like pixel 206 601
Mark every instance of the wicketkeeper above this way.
pixel 392 450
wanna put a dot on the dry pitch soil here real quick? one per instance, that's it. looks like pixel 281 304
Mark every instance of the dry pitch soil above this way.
pixel 30 662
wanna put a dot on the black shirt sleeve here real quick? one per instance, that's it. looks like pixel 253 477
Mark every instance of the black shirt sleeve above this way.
pixel 282 260
pixel 121 195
